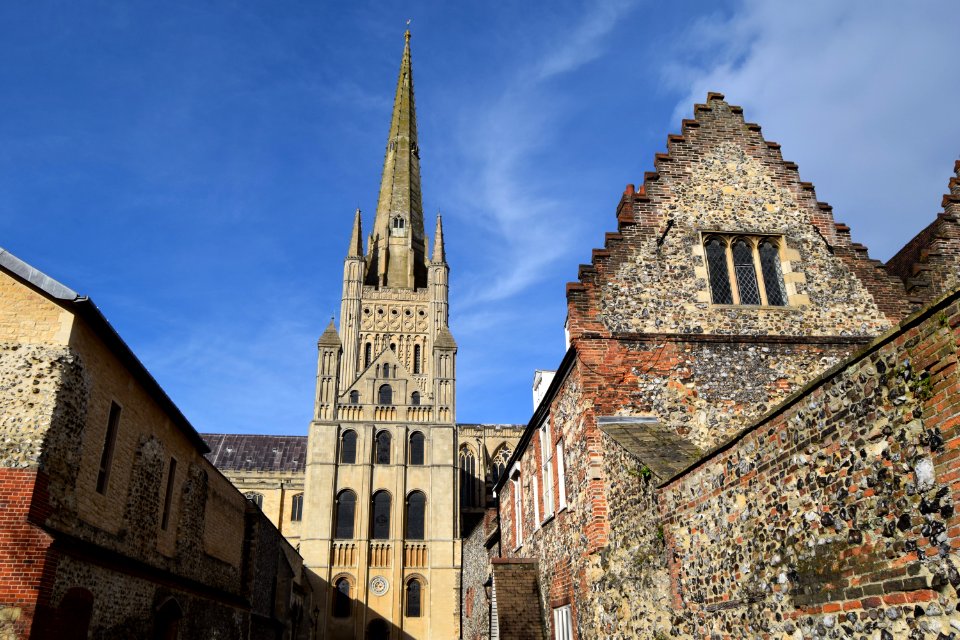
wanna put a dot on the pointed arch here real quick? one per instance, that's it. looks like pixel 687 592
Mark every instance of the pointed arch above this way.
pixel 469 482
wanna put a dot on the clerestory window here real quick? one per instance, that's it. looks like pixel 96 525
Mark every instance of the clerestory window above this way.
pixel 745 270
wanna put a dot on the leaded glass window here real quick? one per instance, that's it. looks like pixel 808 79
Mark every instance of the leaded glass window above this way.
pixel 416 448
pixel 383 447
pixel 416 515
pixel 746 271
pixel 346 510
pixel 717 265
pixel 499 465
pixel 413 599
pixel 772 273
pixel 348 447
pixel 380 522
pixel 468 479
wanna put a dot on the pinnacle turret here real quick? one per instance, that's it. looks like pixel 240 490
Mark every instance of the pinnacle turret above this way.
pixel 438 253
pixel 355 250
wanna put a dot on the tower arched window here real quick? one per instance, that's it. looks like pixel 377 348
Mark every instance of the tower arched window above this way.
pixel 416 358
pixel 499 464
pixel 346 514
pixel 416 515
pixel 413 605
pixel 416 448
pixel 296 508
pixel 383 447
pixel 469 486
pixel 367 354
pixel 380 519
pixel 348 447
pixel 341 598
pixel 385 394
pixel 415 399
pixel 354 397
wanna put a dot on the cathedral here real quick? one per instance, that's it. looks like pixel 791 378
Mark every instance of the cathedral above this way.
pixel 754 432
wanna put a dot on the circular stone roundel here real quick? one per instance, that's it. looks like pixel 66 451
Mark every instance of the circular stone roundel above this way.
pixel 379 585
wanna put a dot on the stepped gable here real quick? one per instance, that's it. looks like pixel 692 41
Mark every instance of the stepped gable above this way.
pixel 720 174
pixel 248 452
pixel 929 264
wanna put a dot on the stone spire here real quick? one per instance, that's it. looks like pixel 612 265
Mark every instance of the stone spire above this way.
pixel 438 254
pixel 397 250
pixel 355 250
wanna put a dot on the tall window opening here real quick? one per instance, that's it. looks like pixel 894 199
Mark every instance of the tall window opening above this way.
pixel 354 397
pixel 367 353
pixel 415 399
pixel 348 447
pixel 499 464
pixel 341 598
pixel 757 276
pixel 383 447
pixel 546 459
pixel 168 495
pixel 380 520
pixel 416 358
pixel 413 605
pixel 385 394
pixel 109 442
pixel 416 515
pixel 416 448
pixel 345 515
pixel 517 510
pixel 469 494
pixel 296 508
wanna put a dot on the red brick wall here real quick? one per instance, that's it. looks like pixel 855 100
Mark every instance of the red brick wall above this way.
pixel 26 569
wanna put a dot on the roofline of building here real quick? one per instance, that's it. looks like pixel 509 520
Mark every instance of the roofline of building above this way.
pixel 86 309
pixel 541 411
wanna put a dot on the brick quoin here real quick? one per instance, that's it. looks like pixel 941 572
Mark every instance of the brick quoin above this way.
pixel 26 575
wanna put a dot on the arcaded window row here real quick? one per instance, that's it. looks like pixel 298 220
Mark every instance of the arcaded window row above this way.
pixel 380 510
pixel 385 396
pixel 382 448
pixel 413 600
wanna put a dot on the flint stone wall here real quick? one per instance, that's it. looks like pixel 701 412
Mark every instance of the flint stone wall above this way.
pixel 835 516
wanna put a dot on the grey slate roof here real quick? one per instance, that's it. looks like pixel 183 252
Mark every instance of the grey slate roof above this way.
pixel 248 452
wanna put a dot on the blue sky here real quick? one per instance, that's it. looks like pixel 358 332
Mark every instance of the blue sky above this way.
pixel 193 166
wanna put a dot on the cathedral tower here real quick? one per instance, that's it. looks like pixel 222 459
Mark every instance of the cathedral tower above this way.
pixel 380 528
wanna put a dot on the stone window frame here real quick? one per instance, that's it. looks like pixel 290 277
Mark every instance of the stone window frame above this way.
pixel 470 482
pixel 423 450
pixel 379 530
pixel 546 470
pixel 561 478
pixel 255 497
pixel 168 495
pixel 351 590
pixel 422 582
pixel 789 259
pixel 296 507
pixel 340 512
pixel 109 446
pixel 341 457
pixel 409 515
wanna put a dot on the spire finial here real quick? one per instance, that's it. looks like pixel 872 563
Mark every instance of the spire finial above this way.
pixel 406 35
pixel 355 249
pixel 438 252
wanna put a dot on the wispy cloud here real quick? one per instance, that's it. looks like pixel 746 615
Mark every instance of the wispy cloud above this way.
pixel 532 221
pixel 859 93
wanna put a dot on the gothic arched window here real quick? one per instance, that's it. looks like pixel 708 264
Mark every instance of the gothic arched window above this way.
pixel 716 250
pixel 499 464
pixel 383 447
pixel 415 399
pixel 416 448
pixel 255 498
pixel 416 358
pixel 413 597
pixel 746 272
pixel 469 494
pixel 341 598
pixel 348 447
pixel 385 395
pixel 380 520
pixel 346 512
pixel 296 508
pixel 416 515
pixel 772 273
